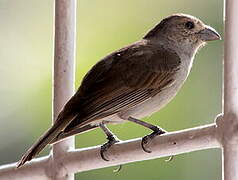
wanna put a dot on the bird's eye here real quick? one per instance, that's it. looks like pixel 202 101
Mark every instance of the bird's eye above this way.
pixel 189 25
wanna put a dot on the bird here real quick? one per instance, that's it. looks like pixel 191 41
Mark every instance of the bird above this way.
pixel 131 83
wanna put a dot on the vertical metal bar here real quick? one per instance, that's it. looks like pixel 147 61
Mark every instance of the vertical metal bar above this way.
pixel 231 57
pixel 64 71
pixel 230 123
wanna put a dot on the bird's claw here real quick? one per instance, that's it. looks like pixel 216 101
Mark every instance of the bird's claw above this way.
pixel 148 138
pixel 170 158
pixel 106 146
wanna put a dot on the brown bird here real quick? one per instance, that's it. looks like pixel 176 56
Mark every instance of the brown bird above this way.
pixel 131 83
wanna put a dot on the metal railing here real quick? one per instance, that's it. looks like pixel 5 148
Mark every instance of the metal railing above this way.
pixel 65 160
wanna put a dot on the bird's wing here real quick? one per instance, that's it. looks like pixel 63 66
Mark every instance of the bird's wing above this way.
pixel 122 80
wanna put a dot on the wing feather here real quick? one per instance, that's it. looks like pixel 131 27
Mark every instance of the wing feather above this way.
pixel 123 80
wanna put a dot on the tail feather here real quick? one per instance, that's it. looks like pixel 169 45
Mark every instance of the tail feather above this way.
pixel 63 135
pixel 45 139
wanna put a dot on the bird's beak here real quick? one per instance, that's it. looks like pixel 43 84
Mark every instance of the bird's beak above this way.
pixel 209 34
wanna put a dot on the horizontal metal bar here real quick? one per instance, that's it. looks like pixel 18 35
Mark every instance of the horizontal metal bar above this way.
pixel 188 140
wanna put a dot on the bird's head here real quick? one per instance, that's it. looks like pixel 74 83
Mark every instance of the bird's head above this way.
pixel 183 31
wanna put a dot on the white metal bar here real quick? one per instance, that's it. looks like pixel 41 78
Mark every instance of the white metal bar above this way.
pixel 184 141
pixel 35 170
pixel 231 57
pixel 64 72
pixel 229 124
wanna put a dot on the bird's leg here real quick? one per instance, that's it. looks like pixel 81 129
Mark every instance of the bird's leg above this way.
pixel 112 139
pixel 146 139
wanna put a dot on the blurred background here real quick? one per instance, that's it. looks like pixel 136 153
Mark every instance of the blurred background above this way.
pixel 26 53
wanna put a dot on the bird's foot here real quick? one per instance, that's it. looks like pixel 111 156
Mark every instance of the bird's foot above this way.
pixel 111 140
pixel 147 139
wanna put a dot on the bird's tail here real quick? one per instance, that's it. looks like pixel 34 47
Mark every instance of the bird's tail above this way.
pixel 63 135
pixel 45 139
